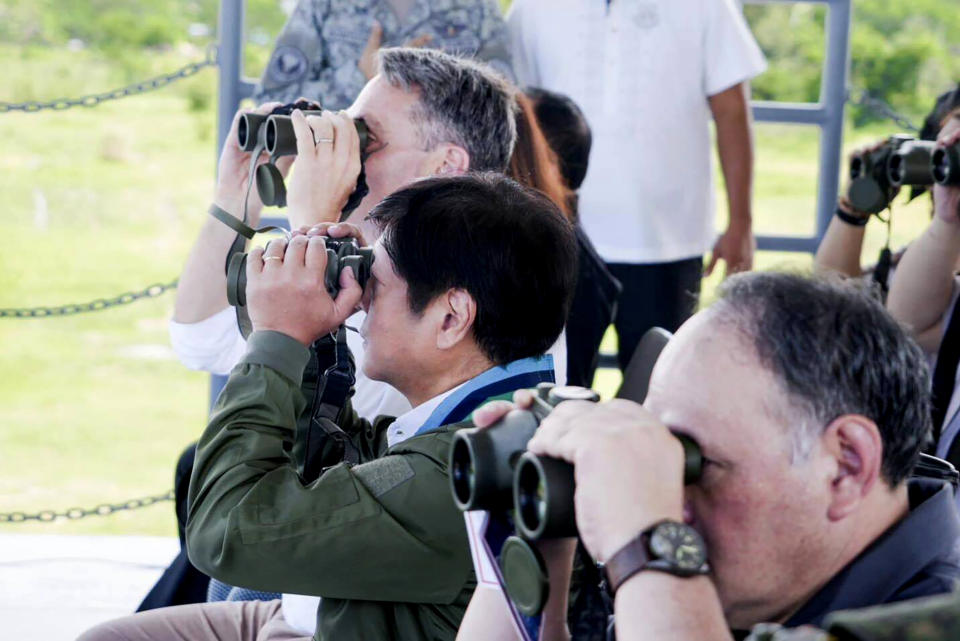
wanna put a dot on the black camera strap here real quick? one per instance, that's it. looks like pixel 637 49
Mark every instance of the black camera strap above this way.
pixel 320 441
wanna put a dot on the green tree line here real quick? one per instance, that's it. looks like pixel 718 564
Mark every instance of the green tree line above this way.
pixel 903 51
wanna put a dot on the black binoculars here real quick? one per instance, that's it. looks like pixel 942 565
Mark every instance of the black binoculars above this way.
pixel 340 254
pixel 491 470
pixel 902 160
pixel 543 490
pixel 274 134
pixel 482 460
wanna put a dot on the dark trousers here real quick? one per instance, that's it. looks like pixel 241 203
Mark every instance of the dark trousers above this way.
pixel 181 583
pixel 654 295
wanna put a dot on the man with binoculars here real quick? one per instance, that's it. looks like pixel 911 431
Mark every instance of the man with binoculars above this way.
pixel 810 406
pixel 469 286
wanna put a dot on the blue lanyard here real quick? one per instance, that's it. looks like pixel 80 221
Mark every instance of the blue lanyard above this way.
pixel 498 380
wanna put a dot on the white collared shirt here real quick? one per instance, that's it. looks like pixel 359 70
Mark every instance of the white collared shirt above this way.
pixel 641 71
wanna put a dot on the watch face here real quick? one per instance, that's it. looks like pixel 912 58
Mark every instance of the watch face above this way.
pixel 679 544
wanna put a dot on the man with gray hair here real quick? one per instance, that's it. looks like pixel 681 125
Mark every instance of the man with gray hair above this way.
pixel 811 405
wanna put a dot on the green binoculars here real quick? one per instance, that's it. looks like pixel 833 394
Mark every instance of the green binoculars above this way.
pixel 340 255
pixel 274 134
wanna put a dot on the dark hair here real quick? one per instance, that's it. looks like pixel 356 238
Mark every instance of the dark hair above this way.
pixel 836 351
pixel 460 101
pixel 534 163
pixel 505 244
pixel 566 130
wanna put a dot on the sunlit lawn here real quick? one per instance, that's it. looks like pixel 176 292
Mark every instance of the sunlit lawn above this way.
pixel 96 202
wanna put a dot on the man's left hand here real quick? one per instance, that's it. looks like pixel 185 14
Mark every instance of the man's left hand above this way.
pixel 287 293
pixel 735 247
pixel 326 169
pixel 628 466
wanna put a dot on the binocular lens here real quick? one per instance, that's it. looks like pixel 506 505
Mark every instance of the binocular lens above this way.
pixel 531 497
pixel 895 169
pixel 462 473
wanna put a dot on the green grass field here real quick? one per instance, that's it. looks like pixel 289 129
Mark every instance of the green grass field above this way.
pixel 96 202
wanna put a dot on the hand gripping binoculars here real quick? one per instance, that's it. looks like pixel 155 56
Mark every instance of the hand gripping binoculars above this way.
pixel 273 133
pixel 903 160
pixel 340 254
pixel 491 470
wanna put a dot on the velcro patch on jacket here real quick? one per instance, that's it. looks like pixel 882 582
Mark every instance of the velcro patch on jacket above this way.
pixel 384 474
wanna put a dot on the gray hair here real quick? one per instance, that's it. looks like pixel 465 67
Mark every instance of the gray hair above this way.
pixel 834 350
pixel 461 101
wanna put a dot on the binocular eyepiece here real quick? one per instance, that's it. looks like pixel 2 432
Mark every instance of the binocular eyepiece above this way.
pixel 340 254
pixel 482 460
pixel 902 160
pixel 274 134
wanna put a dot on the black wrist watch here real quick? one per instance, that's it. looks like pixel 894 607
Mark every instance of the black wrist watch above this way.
pixel 667 546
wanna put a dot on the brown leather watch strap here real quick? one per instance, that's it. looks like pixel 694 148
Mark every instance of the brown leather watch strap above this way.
pixel 627 561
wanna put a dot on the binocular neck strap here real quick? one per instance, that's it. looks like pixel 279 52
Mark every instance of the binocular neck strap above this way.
pixel 237 225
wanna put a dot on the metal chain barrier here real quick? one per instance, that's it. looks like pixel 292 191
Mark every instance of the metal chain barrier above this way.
pixel 92 100
pixel 157 289
pixel 75 513
pixel 881 108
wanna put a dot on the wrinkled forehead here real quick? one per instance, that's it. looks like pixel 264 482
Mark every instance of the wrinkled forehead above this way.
pixel 709 382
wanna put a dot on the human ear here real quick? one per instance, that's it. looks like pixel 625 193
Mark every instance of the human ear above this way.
pixel 854 444
pixel 459 312
pixel 451 160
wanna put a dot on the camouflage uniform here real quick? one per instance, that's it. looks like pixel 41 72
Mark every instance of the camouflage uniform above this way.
pixel 317 53
pixel 935 618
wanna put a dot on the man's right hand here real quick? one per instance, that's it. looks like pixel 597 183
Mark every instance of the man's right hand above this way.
pixel 234 170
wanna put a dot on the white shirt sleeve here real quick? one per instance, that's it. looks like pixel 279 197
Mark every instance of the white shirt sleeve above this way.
pixel 520 34
pixel 212 345
pixel 731 55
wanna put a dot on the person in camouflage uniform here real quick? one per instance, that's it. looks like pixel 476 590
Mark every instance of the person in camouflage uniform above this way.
pixel 326 45
pixel 934 618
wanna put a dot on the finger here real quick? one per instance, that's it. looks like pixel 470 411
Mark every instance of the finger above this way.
pixel 304 134
pixel 419 41
pixel 324 134
pixel 714 257
pixel 254 263
pixel 320 229
pixel 523 398
pixel 316 254
pixel 346 230
pixel 376 37
pixel 274 251
pixel 267 107
pixel 284 163
pixel 343 141
pixel 348 298
pixel 296 251
pixel 492 412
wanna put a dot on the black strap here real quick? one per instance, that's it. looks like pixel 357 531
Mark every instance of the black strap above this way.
pixel 881 272
pixel 321 442
pixel 945 376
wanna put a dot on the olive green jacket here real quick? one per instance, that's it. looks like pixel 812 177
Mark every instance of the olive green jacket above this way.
pixel 382 542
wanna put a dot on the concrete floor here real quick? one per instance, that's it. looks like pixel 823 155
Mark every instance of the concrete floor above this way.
pixel 54 587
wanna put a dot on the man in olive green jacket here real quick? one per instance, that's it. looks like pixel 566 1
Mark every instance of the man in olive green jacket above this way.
pixel 469 287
